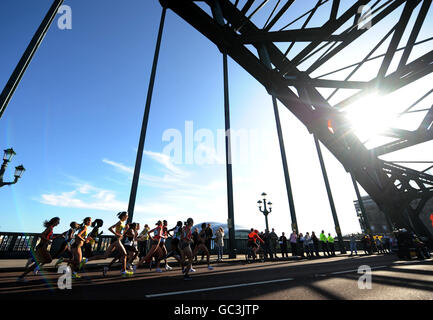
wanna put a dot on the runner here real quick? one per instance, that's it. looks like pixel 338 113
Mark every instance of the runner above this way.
pixel 155 249
pixel 77 255
pixel 87 247
pixel 41 253
pixel 201 245
pixel 118 229
pixel 175 251
pixel 131 245
pixel 253 237
pixel 66 245
pixel 162 244
pixel 185 247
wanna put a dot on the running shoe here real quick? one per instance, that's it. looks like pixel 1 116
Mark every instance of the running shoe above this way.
pixel 210 267
pixel 104 271
pixel 187 277
pixel 75 275
pixel 59 261
pixel 158 270
pixel 167 267
pixel 126 274
pixel 36 270
pixel 134 268
pixel 191 270
pixel 83 262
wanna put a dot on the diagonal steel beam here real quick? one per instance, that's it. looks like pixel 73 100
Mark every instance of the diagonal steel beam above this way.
pixel 27 56
pixel 279 14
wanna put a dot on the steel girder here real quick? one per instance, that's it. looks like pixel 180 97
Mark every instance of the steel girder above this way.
pixel 394 188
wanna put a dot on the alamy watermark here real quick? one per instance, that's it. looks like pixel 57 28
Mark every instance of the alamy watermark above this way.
pixel 65 20
pixel 364 13
pixel 65 280
pixel 364 281
pixel 204 147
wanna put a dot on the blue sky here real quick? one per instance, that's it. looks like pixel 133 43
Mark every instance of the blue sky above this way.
pixel 75 119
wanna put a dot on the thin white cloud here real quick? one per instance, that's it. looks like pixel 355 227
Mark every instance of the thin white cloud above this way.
pixel 174 178
pixel 92 198
pixel 166 161
pixel 119 166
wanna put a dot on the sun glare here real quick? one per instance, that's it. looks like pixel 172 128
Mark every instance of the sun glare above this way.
pixel 371 115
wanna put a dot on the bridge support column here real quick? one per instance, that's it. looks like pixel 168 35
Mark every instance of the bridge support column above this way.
pixel 231 215
pixel 361 206
pixel 331 200
pixel 139 158
pixel 285 167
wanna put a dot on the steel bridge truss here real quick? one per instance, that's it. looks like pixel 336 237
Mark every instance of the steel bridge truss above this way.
pixel 400 192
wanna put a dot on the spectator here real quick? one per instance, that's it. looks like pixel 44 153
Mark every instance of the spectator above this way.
pixel 209 236
pixel 143 242
pixel 366 241
pixel 353 245
pixel 283 245
pixel 301 240
pixel 307 248
pixel 267 246
pixel 373 244
pixel 274 242
pixel 315 243
pixel 219 243
pixel 293 243
pixel 331 244
pixel 393 244
pixel 379 245
pixel 195 242
pixel 386 243
pixel 324 244
pixel 207 242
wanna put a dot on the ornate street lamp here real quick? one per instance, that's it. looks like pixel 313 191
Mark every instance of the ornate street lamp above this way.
pixel 7 157
pixel 265 210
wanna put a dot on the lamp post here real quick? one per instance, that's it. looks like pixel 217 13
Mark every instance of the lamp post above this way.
pixel 7 157
pixel 265 209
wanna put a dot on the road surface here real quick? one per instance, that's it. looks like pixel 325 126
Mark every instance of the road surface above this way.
pixel 333 278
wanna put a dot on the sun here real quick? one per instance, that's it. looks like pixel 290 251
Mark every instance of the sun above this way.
pixel 371 115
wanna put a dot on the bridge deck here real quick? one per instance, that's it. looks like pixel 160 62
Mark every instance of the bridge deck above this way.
pixel 324 278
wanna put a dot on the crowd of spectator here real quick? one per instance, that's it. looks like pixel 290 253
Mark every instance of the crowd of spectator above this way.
pixel 312 246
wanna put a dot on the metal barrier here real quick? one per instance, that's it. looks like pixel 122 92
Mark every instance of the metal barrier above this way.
pixel 14 245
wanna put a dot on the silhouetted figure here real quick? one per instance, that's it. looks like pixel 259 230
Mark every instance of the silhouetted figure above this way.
pixel 274 242
pixel 294 243
pixel 283 245
pixel 301 240
pixel 267 246
pixel 315 243
pixel 324 244
pixel 331 244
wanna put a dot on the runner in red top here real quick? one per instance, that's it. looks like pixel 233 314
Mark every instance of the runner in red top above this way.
pixel 162 244
pixel 253 236
pixel 41 254
pixel 155 250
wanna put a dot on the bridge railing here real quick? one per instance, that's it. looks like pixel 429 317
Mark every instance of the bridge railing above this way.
pixel 15 245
